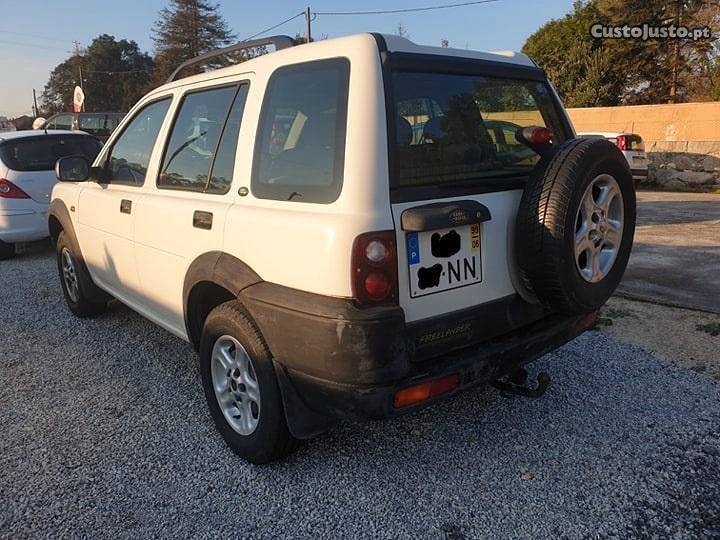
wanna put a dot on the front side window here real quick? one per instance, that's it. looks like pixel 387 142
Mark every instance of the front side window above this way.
pixel 300 147
pixel 40 153
pixel 201 151
pixel 130 154
pixel 455 128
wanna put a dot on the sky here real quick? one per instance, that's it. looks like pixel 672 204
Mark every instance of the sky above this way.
pixel 36 35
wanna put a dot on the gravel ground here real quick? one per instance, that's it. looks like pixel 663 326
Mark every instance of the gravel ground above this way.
pixel 103 431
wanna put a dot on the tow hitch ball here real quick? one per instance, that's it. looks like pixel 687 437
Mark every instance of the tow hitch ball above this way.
pixel 517 384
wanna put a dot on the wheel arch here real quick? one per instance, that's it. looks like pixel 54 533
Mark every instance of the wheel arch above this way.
pixel 212 279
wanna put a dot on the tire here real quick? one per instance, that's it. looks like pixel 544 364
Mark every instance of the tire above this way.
pixel 75 281
pixel 7 251
pixel 570 250
pixel 258 432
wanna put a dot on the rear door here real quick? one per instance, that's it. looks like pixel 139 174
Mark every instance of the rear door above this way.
pixel 457 175
pixel 183 215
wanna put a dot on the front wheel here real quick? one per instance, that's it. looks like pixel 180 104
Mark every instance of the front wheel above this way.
pixel 241 388
pixel 73 279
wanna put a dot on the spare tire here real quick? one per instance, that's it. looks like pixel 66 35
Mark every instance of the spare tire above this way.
pixel 575 225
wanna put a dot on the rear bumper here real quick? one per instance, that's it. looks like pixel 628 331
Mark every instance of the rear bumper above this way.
pixel 475 365
pixel 639 173
pixel 335 361
pixel 23 221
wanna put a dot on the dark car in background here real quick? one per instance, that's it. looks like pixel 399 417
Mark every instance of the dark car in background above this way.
pixel 99 124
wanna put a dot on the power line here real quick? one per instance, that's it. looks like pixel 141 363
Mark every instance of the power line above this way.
pixel 118 72
pixel 301 14
pixel 56 49
pixel 37 36
pixel 406 10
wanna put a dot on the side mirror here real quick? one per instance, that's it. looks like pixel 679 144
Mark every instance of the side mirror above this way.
pixel 72 169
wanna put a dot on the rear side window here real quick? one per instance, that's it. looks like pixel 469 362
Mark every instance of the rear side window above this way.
pixel 200 153
pixel 131 151
pixel 455 128
pixel 300 146
pixel 63 121
pixel 100 125
pixel 41 153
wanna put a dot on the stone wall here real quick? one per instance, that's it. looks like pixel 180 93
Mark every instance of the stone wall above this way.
pixel 682 140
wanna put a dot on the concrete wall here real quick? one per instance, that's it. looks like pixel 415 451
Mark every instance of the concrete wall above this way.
pixel 697 122
pixel 682 140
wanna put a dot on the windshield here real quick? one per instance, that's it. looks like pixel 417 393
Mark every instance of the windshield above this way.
pixel 40 153
pixel 454 128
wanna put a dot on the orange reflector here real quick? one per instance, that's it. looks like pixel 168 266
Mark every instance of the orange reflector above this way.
pixel 421 392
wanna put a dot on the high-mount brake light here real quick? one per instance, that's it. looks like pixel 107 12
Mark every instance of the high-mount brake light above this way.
pixel 374 269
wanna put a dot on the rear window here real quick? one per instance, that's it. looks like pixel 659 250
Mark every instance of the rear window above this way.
pixel 456 128
pixel 41 153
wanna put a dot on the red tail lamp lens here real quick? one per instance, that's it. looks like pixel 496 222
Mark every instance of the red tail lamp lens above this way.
pixel 622 143
pixel 377 286
pixel 422 392
pixel 8 190
pixel 540 135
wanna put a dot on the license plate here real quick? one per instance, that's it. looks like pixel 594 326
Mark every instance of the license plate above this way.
pixel 444 259
pixel 639 160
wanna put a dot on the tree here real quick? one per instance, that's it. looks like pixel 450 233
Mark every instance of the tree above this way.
pixel 115 75
pixel 631 71
pixel 185 29
pixel 564 48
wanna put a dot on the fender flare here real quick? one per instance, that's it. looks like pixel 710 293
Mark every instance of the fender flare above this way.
pixel 59 211
pixel 220 269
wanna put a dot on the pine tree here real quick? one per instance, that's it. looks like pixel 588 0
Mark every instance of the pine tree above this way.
pixel 185 29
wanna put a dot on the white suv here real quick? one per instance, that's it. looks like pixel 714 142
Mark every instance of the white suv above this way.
pixel 352 228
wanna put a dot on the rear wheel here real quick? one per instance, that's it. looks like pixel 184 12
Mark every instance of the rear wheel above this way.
pixel 7 251
pixel 241 388
pixel 73 278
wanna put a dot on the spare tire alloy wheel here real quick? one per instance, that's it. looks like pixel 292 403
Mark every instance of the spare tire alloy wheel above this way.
pixel 236 386
pixel 575 225
pixel 599 228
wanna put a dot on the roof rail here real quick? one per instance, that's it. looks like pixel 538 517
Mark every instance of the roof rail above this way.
pixel 280 42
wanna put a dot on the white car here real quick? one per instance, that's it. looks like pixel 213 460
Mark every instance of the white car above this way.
pixel 6 125
pixel 335 231
pixel 632 147
pixel 27 161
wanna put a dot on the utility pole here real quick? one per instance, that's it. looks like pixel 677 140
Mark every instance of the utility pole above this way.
pixel 77 53
pixel 35 107
pixel 308 34
pixel 676 55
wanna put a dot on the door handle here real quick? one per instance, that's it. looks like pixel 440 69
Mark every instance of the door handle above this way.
pixel 202 220
pixel 125 206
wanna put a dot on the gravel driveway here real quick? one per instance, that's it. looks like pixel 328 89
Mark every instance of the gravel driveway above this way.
pixel 104 432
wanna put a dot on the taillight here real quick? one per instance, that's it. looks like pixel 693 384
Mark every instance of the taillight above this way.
pixel 622 142
pixel 8 190
pixel 374 269
pixel 631 142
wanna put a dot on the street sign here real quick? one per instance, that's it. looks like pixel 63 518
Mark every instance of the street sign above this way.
pixel 78 99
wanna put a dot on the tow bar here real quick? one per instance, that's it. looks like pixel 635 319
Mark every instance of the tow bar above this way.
pixel 517 384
